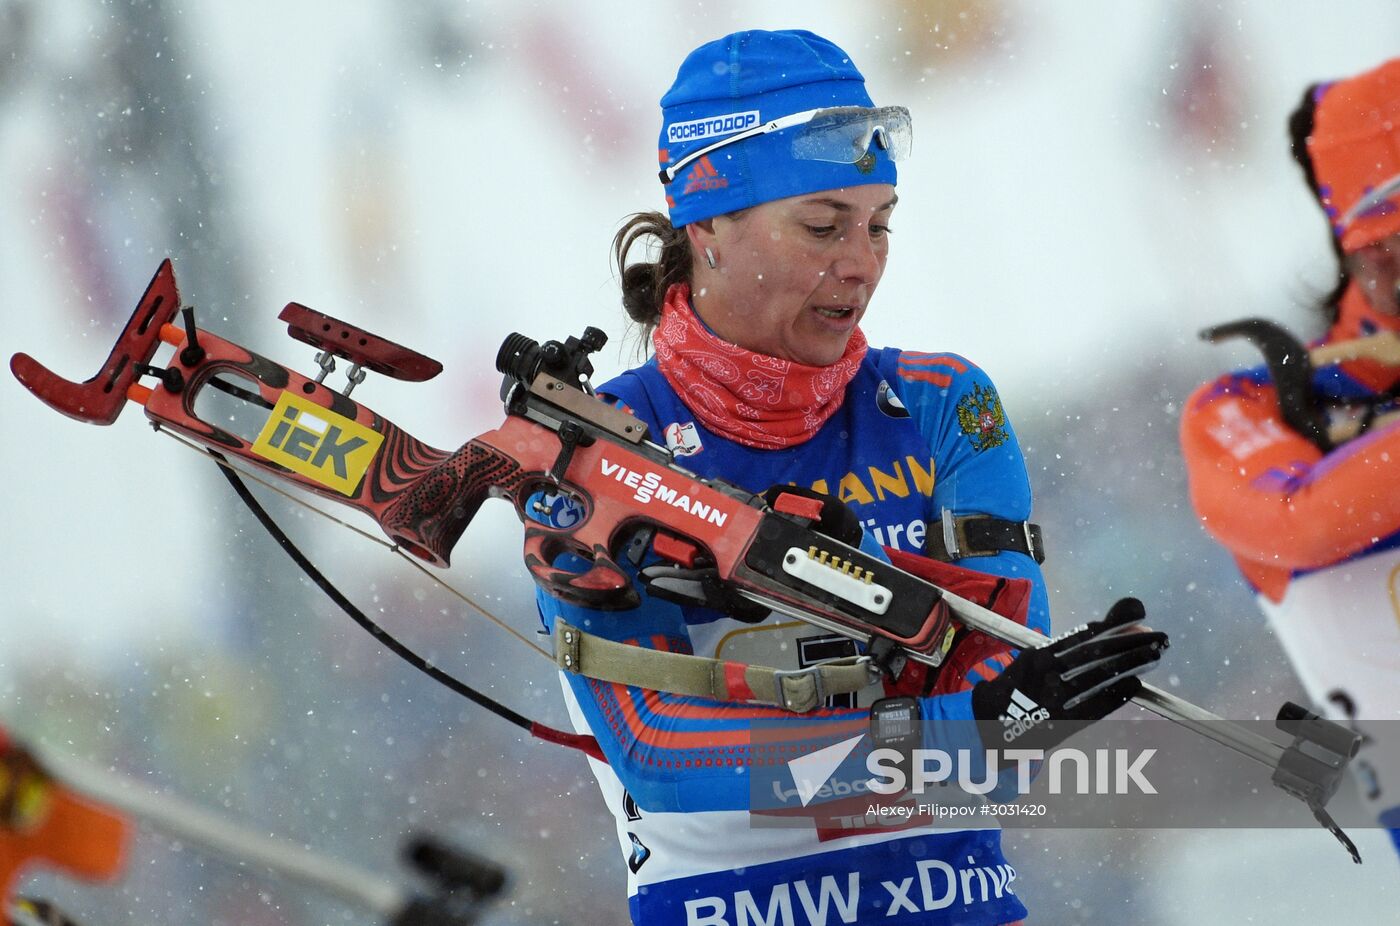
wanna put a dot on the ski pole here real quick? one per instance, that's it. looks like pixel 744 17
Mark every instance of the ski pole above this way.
pixel 1310 769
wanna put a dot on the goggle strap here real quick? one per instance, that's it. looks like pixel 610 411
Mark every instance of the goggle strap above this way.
pixel 668 174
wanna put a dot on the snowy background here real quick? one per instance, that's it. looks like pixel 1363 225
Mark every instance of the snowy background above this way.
pixel 1091 183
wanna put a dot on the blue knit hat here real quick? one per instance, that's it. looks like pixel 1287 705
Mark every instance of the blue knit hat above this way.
pixel 740 82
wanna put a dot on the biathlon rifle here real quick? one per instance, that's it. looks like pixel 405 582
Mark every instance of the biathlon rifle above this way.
pixel 1291 365
pixel 626 492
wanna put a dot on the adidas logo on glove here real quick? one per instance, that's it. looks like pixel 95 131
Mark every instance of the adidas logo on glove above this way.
pixel 1048 692
pixel 1021 715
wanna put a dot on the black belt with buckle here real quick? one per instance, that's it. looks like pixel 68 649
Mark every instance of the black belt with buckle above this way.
pixel 982 535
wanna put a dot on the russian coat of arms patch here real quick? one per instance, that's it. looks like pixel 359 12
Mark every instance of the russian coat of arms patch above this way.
pixel 981 418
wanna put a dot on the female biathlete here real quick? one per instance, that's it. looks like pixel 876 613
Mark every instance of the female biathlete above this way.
pixel 779 177
pixel 1311 510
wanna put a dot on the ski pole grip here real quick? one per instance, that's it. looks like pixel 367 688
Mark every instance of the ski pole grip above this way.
pixel 429 516
pixel 455 868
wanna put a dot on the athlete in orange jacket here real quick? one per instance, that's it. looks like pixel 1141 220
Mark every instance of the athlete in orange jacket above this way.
pixel 1315 523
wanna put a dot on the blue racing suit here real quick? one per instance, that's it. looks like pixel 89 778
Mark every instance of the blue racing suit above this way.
pixel 916 434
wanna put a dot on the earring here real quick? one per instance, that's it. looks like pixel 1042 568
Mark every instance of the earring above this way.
pixel 710 258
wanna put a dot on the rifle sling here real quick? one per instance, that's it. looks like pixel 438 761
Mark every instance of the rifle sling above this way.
pixel 798 690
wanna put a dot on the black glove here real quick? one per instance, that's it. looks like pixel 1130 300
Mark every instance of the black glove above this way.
pixel 1083 676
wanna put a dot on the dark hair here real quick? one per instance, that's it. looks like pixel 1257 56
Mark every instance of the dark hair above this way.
pixel 1300 126
pixel 644 282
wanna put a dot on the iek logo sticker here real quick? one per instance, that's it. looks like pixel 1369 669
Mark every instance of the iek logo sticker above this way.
pixel 318 443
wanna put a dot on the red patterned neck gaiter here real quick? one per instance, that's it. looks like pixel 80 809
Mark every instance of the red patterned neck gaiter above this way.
pixel 752 399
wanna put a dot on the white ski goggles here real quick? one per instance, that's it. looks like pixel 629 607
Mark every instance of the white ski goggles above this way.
pixel 840 134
